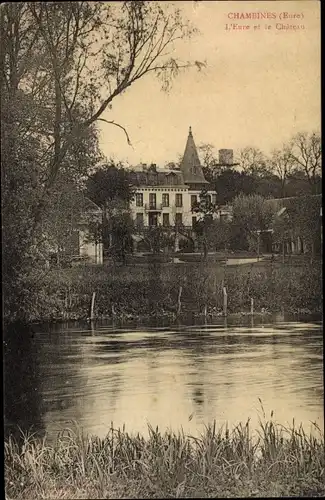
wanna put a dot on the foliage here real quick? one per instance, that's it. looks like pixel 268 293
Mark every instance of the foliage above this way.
pixel 62 67
pixel 230 183
pixel 224 462
pixel 108 183
pixel 222 233
pixel 109 187
pixel 66 293
pixel 205 209
pixel 251 215
pixel 299 217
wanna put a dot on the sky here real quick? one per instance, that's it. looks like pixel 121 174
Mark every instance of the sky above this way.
pixel 260 86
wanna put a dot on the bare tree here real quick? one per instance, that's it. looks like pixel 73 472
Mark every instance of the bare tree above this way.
pixel 252 161
pixel 306 153
pixel 208 155
pixel 282 164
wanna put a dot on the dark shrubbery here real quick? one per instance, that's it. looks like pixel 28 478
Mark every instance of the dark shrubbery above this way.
pixel 155 289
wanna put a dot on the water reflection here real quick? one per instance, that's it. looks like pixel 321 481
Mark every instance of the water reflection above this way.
pixel 23 402
pixel 98 374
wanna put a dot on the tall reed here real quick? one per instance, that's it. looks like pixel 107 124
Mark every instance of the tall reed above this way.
pixel 275 461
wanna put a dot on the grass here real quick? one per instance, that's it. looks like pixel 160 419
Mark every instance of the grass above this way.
pixel 277 462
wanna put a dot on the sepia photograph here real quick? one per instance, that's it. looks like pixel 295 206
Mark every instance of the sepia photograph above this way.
pixel 162 245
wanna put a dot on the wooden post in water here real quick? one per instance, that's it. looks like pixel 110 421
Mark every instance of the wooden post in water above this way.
pixel 225 300
pixel 92 305
pixel 179 303
pixel 252 306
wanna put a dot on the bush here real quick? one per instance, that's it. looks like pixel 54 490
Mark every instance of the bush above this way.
pixel 153 287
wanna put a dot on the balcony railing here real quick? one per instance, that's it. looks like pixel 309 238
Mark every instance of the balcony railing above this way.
pixel 170 227
pixel 153 207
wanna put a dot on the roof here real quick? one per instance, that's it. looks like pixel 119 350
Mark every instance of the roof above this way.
pixel 298 203
pixel 294 200
pixel 190 165
pixel 88 205
pixel 157 178
pixel 190 172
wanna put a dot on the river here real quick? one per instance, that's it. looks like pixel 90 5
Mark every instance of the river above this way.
pixel 169 376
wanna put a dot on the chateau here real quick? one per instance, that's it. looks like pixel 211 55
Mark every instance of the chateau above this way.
pixel 166 196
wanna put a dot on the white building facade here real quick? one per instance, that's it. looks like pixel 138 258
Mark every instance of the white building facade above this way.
pixel 165 197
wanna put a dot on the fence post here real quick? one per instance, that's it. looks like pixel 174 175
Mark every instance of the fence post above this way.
pixel 225 300
pixel 252 306
pixel 92 305
pixel 179 300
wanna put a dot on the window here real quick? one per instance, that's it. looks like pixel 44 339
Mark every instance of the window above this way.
pixel 139 219
pixel 208 198
pixel 179 200
pixel 152 219
pixel 165 200
pixel 152 200
pixel 178 219
pixel 171 179
pixel 166 219
pixel 193 200
pixel 139 199
pixel 214 199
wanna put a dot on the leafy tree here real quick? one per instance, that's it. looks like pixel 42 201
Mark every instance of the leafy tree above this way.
pixel 299 218
pixel 120 226
pixel 222 230
pixel 283 231
pixel 252 215
pixel 110 189
pixel 269 185
pixel 109 183
pixel 62 67
pixel 204 209
pixel 156 237
pixel 230 183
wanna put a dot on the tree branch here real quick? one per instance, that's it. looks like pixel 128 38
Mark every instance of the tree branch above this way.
pixel 112 122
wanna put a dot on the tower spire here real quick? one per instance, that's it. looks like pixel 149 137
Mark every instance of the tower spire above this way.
pixel 190 165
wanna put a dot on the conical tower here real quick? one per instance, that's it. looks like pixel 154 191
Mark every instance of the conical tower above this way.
pixel 190 165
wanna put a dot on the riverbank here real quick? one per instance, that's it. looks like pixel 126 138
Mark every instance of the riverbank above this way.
pixel 220 463
pixel 170 290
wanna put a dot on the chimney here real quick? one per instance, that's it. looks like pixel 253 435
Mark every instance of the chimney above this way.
pixel 226 156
